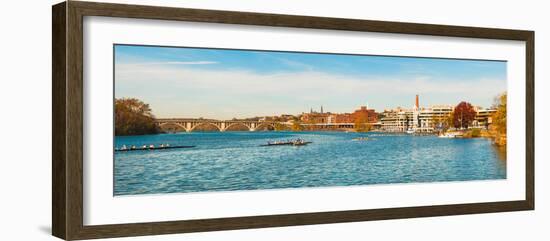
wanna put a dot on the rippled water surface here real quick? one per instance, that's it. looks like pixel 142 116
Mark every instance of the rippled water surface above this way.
pixel 236 161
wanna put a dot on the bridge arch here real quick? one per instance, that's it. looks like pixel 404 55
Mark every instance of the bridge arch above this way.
pixel 205 124
pixel 265 125
pixel 172 127
pixel 236 124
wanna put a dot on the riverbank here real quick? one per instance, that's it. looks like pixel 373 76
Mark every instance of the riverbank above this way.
pixel 497 138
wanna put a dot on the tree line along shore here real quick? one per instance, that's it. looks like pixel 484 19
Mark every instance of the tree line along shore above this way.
pixel 134 117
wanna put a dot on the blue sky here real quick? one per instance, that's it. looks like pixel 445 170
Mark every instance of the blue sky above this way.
pixel 222 84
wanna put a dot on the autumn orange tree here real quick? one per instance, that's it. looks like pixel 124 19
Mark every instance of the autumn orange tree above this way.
pixel 463 115
pixel 133 117
pixel 360 124
pixel 297 125
pixel 499 118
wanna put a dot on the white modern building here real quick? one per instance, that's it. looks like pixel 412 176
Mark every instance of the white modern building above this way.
pixel 430 119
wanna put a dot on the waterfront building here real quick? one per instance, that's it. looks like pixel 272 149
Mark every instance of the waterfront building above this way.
pixel 416 119
pixel 342 118
pixel 432 119
pixel 396 120
pixel 314 117
pixel 363 113
pixel 366 114
pixel 484 117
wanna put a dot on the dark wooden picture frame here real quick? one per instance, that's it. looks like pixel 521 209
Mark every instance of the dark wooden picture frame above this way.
pixel 67 159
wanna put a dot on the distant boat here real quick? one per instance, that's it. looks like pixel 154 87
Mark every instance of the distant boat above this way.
pixel 363 138
pixel 446 135
pixel 150 148
pixel 297 142
pixel 410 131
pixel 450 135
pixel 303 143
pixel 277 144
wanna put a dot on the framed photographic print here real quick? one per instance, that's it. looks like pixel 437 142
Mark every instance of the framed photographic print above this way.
pixel 171 120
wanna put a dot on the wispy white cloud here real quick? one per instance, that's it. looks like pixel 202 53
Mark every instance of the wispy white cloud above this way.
pixel 296 64
pixel 174 63
pixel 189 92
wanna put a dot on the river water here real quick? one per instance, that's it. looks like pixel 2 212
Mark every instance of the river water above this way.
pixel 225 161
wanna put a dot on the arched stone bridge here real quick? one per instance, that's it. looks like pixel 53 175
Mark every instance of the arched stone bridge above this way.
pixel 189 125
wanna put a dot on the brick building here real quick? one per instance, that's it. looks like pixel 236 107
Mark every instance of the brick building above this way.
pixel 363 113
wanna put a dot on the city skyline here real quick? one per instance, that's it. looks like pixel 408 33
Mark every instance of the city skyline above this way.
pixel 226 84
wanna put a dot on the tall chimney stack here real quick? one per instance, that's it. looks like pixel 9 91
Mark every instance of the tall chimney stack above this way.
pixel 416 104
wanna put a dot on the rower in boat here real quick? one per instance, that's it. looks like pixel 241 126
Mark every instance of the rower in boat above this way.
pixel 300 142
pixel 150 147
pixel 295 142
